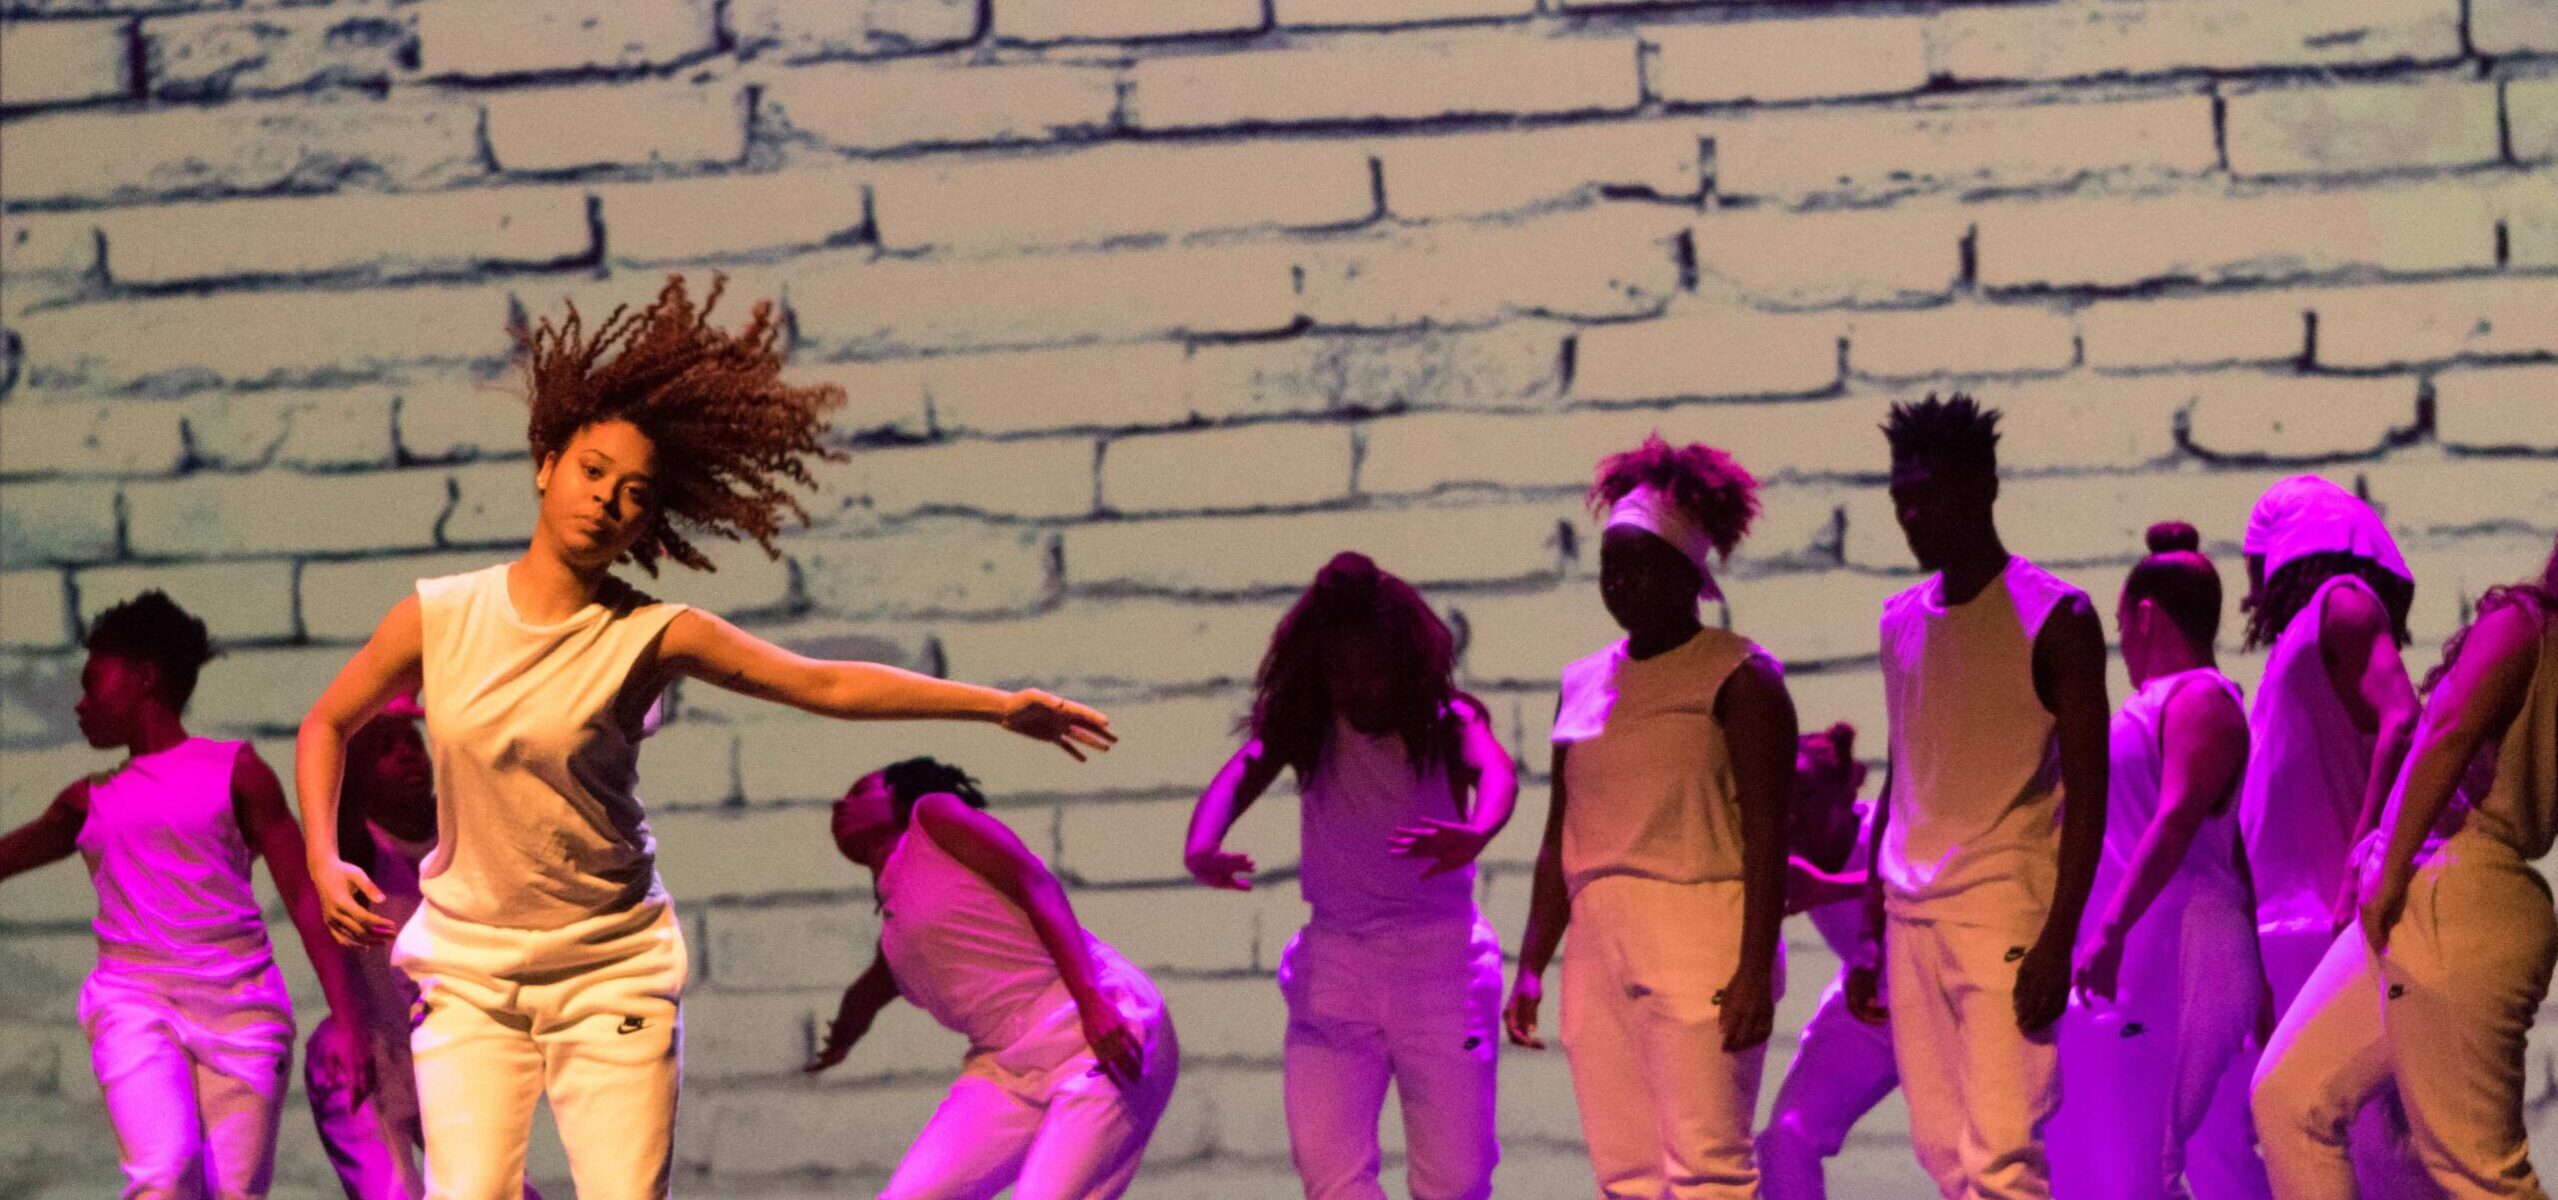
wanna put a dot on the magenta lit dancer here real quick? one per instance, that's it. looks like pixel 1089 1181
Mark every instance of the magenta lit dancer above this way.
pixel 1397 977
pixel 189 1026
pixel 1071 1056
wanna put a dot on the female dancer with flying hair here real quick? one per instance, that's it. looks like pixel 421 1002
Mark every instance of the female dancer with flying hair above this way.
pixel 2167 968
pixel 2457 937
pixel 1397 976
pixel 547 954
pixel 1665 843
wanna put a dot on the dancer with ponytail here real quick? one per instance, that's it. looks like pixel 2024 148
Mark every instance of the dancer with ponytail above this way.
pixel 1397 976
pixel 546 952
pixel 2167 970
pixel 1664 845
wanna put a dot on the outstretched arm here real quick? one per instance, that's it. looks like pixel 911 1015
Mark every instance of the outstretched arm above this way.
pixel 1549 910
pixel 54 835
pixel 706 647
pixel 2069 661
pixel 1238 784
pixel 863 1001
pixel 257 800
pixel 2474 705
pixel 390 664
pixel 2205 738
pixel 1757 715
pixel 1454 845
pixel 988 847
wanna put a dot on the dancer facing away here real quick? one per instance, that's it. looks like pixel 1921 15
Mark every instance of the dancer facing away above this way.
pixel 2166 970
pixel 1994 680
pixel 1397 976
pixel 1843 1066
pixel 2441 981
pixel 547 952
pixel 1665 844
pixel 189 1026
pixel 1071 1056
pixel 386 827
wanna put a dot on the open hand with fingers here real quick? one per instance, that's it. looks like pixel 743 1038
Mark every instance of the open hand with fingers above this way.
pixel 1069 726
pixel 1519 1016
pixel 347 896
pixel 841 1034
pixel 1449 845
pixel 1221 869
pixel 1115 1042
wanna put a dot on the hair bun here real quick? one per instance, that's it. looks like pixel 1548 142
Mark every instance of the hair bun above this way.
pixel 2169 537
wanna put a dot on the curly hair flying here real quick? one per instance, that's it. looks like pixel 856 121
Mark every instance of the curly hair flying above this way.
pixel 731 437
pixel 1710 486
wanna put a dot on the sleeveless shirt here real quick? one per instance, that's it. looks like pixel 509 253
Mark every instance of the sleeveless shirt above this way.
pixel 164 849
pixel 1363 787
pixel 1649 776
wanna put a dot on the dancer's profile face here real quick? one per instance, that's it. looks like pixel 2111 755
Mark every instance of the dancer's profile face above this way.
pixel 865 819
pixel 1645 582
pixel 599 493
pixel 1940 511
pixel 387 765
pixel 1823 814
pixel 114 690
pixel 2255 583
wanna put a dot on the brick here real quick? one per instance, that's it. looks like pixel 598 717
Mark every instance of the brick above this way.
pixel 826 1131
pixel 1083 646
pixel 486 39
pixel 870 412
pixel 2212 239
pixel 1166 746
pixel 690 763
pixel 238 601
pixel 1961 340
pixel 264 690
pixel 754 851
pixel 791 945
pixel 2303 418
pixel 1253 466
pixel 277 512
pixel 1413 77
pixel 389 236
pixel 2503 409
pixel 877 107
pixel 195 339
pixel 2454 572
pixel 47 255
pixel 1045 299
pixel 639 124
pixel 457 419
pixel 1426 546
pixel 739 1038
pixel 2089 518
pixel 2504 27
pixel 2452 495
pixel 35 613
pixel 1047 477
pixel 680 220
pixel 1961 145
pixel 1322 13
pixel 1119 20
pixel 1470 174
pixel 1732 352
pixel 932 567
pixel 2382 327
pixel 1212 937
pixel 1139 841
pixel 1516 363
pixel 1229 1019
pixel 341 601
pixel 213 55
pixel 1787 59
pixel 1591 263
pixel 1119 191
pixel 2324 129
pixel 268 145
pixel 802 29
pixel 317 430
pixel 82 437
pixel 1083 387
pixel 1425 453
pixel 59 523
pixel 60 62
pixel 2079 422
pixel 2247 327
pixel 1527 638
pixel 1888 255
pixel 2530 213
pixel 1810 617
pixel 2531 110
pixel 2100 38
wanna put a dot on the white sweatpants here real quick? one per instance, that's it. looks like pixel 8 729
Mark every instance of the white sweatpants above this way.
pixel 2140 1074
pixel 1419 1006
pixel 375 1152
pixel 1665 1111
pixel 1979 1089
pixel 1842 1068
pixel 2384 1161
pixel 193 1077
pixel 2443 1018
pixel 1039 1117
pixel 587 1014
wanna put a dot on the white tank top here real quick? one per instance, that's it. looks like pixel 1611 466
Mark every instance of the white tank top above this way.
pixel 2306 770
pixel 1362 789
pixel 2521 807
pixel 164 848
pixel 1974 834
pixel 1649 776
pixel 2139 772
pixel 535 732
pixel 1842 922
pixel 964 952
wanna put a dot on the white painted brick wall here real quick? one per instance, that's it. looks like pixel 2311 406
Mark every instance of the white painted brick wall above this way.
pixel 1145 308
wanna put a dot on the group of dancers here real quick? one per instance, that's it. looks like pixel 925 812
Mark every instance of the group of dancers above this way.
pixel 2202 944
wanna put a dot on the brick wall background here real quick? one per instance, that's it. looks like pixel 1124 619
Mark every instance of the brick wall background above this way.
pixel 1146 306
